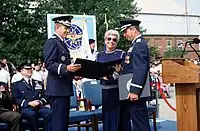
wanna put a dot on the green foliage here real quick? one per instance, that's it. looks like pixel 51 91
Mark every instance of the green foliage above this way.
pixel 154 51
pixel 23 29
pixel 173 52
pixel 22 34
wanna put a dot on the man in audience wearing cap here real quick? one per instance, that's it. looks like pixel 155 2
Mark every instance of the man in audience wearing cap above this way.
pixel 29 96
pixel 7 114
pixel 93 54
pixel 136 62
pixel 59 80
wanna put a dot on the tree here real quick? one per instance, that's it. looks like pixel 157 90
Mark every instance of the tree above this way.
pixel 23 29
pixel 154 51
pixel 22 35
pixel 173 52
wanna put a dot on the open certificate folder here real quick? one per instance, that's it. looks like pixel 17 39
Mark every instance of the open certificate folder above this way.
pixel 95 70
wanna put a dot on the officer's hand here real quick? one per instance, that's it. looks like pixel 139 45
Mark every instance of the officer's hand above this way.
pixel 34 103
pixel 105 78
pixel 73 67
pixel 118 68
pixel 132 96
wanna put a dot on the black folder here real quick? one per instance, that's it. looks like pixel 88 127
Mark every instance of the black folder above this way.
pixel 124 87
pixel 95 70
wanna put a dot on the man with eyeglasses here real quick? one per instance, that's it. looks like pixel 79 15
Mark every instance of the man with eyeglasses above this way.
pixel 59 80
pixel 136 62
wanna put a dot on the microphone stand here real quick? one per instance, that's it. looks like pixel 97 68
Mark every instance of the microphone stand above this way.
pixel 195 51
pixel 184 50
pixel 190 44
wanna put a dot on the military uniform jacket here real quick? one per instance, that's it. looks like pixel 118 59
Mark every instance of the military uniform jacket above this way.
pixel 23 93
pixel 137 62
pixel 56 58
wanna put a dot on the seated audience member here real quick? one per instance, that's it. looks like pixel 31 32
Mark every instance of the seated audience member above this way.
pixel 4 75
pixel 29 96
pixel 37 73
pixel 7 115
pixel 17 76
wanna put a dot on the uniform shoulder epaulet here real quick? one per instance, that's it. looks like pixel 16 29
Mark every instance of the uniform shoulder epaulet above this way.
pixel 138 40
pixel 53 37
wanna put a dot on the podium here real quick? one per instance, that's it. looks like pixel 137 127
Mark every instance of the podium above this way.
pixel 186 77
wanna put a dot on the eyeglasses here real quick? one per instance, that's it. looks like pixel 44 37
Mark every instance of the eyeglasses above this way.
pixel 113 39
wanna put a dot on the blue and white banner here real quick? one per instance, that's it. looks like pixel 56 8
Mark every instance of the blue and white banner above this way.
pixel 83 28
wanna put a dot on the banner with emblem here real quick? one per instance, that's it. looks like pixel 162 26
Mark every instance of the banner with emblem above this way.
pixel 82 29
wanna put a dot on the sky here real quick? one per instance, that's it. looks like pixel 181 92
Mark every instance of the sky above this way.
pixel 193 6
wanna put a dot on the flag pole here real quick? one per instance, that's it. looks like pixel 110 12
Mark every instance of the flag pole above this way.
pixel 106 21
pixel 186 15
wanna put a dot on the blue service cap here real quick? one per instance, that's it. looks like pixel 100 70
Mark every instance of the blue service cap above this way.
pixel 65 20
pixel 125 24
pixel 2 83
pixel 24 66
pixel 91 41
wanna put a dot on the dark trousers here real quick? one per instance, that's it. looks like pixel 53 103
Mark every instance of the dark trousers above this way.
pixel 110 106
pixel 12 119
pixel 32 115
pixel 60 113
pixel 134 116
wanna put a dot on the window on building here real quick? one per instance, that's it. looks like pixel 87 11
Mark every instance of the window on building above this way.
pixel 168 44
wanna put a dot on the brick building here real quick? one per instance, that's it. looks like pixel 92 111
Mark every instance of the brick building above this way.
pixel 167 25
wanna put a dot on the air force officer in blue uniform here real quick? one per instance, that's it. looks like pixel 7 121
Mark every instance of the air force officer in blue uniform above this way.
pixel 29 96
pixel 136 62
pixel 59 80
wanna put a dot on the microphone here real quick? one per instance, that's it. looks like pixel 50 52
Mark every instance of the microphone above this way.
pixel 194 41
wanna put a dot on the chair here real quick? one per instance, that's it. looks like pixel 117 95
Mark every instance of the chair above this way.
pixel 25 126
pixel 92 91
pixel 3 127
pixel 152 115
pixel 76 116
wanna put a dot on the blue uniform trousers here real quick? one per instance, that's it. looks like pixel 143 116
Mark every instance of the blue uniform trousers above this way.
pixel 110 106
pixel 134 116
pixel 60 112
pixel 32 115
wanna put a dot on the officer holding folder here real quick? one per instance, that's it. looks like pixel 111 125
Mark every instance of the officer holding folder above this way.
pixel 136 62
pixel 59 80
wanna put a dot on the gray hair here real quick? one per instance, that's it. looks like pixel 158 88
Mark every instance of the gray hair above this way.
pixel 112 32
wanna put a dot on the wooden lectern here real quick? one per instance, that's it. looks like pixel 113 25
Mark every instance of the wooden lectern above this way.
pixel 186 77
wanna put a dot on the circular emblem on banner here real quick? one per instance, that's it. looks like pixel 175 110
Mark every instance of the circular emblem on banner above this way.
pixel 74 39
pixel 128 85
